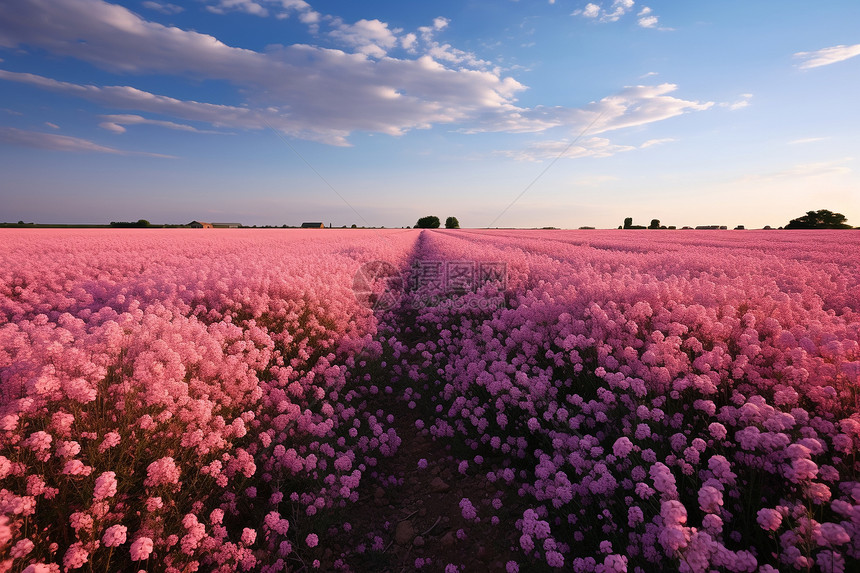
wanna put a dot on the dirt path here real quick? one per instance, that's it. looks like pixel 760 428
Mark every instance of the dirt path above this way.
pixel 420 518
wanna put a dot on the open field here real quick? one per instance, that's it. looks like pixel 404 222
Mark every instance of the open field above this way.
pixel 266 400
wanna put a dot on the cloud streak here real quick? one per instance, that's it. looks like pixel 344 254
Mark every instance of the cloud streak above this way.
pixel 117 123
pixel 56 142
pixel 827 56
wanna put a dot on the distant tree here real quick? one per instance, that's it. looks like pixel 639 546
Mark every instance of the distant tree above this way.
pixel 821 219
pixel 131 224
pixel 655 224
pixel 452 223
pixel 428 222
pixel 628 222
pixel 353 226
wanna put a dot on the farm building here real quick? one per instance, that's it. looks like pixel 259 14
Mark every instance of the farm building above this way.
pixel 313 226
pixel 199 225
pixel 226 225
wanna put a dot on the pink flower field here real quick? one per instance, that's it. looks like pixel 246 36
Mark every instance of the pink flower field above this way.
pixel 602 401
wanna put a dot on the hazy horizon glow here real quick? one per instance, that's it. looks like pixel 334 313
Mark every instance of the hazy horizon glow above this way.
pixel 510 114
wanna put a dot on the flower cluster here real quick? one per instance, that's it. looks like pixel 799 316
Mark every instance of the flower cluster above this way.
pixel 185 401
pixel 152 380
pixel 689 399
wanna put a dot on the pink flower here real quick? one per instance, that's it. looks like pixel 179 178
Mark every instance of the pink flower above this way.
pixel 710 499
pixel 79 520
pixel 21 549
pixel 769 519
pixel 664 481
pixel 115 535
pixel 248 536
pixel 38 441
pixel 110 440
pixel 622 447
pixel 833 534
pixel 141 548
pixel 68 449
pixel 312 540
pixel 105 486
pixel 76 468
pixel 615 564
pixel 554 559
pixel 467 509
pixel 154 504
pixel 162 472
pixel 76 556
pixel 802 469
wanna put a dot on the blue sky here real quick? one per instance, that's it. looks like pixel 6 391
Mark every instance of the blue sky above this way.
pixel 501 113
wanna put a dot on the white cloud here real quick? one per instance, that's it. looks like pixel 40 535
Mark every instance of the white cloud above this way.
pixel 247 6
pixel 742 102
pixel 617 10
pixel 648 22
pixel 632 107
pixel 55 142
pixel 116 123
pixel 815 170
pixel 652 142
pixel 589 147
pixel 647 19
pixel 827 56
pixel 306 91
pixel 638 105
pixel 281 9
pixel 408 41
pixel 805 140
pixel 52 125
pixel 163 7
pixel 370 37
pixel 591 11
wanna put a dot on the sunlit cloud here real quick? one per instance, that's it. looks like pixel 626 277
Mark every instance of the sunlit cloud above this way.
pixel 163 7
pixel 614 11
pixel 117 123
pixel 310 92
pixel 740 103
pixel 827 56
pixel 56 142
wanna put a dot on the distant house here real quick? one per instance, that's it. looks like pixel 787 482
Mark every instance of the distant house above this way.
pixel 709 228
pixel 313 226
pixel 226 225
pixel 199 225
